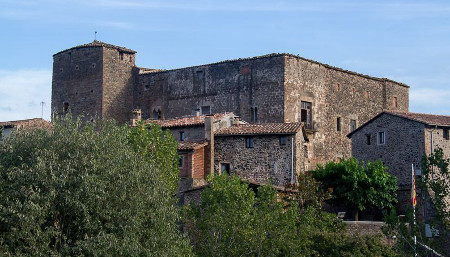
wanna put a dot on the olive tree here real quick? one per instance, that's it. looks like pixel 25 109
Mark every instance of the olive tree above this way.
pixel 88 189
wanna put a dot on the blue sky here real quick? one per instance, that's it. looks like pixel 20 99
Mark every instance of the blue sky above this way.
pixel 407 41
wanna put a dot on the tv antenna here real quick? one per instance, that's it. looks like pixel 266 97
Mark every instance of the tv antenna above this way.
pixel 42 103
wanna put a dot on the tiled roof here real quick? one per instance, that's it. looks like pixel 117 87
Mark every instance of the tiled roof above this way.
pixel 36 122
pixel 429 119
pixel 190 145
pixel 97 43
pixel 259 129
pixel 190 120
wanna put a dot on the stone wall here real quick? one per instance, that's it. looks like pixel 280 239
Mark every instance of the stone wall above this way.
pixel 335 93
pixel 77 81
pixel 232 86
pixel 267 159
pixel 191 133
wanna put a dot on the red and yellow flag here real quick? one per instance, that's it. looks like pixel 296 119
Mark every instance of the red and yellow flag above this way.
pixel 413 188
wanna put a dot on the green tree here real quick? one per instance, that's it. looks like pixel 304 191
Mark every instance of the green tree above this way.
pixel 87 189
pixel 358 186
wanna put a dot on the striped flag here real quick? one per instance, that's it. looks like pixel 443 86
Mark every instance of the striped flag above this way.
pixel 413 188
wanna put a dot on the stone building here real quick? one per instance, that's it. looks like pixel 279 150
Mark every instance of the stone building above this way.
pixel 7 128
pixel 400 139
pixel 100 79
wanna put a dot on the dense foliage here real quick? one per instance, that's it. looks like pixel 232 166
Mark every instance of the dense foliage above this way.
pixel 89 189
pixel 233 220
pixel 358 186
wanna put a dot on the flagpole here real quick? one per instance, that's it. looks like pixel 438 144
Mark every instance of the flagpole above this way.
pixel 413 201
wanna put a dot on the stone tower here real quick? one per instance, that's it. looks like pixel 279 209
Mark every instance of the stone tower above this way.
pixel 95 80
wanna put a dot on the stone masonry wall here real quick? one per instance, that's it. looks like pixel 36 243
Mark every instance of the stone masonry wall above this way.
pixel 191 133
pixel 118 84
pixel 233 86
pixel 77 80
pixel 267 159
pixel 335 93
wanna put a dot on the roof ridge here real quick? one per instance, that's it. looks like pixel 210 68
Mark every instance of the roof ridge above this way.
pixel 97 43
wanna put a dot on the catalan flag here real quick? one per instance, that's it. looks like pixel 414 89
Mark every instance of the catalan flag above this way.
pixel 413 188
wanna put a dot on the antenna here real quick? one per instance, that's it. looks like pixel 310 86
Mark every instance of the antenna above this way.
pixel 42 103
pixel 95 36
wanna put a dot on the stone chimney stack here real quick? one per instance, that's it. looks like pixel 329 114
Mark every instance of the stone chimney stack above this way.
pixel 137 116
pixel 209 150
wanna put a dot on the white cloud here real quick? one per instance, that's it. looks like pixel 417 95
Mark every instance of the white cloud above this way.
pixel 430 100
pixel 22 92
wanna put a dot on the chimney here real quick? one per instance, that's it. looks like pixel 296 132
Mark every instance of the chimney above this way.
pixel 137 116
pixel 197 112
pixel 209 150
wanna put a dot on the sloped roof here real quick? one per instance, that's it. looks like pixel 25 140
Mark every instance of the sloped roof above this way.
pixel 184 145
pixel 260 129
pixel 427 119
pixel 97 43
pixel 36 122
pixel 189 121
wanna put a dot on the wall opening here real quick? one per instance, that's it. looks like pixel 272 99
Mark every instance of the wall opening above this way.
pixel 249 142
pixel 306 114
pixel 338 124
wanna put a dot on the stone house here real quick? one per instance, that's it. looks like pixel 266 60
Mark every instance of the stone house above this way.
pixel 7 128
pixel 400 139
pixel 101 80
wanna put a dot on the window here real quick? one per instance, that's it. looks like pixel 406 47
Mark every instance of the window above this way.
pixel 225 168
pixel 249 142
pixel 206 110
pixel 338 124
pixel 121 56
pixel 445 132
pixel 282 140
pixel 156 114
pixel 381 138
pixel 70 56
pixel 394 102
pixel 65 107
pixel 254 114
pixel 77 67
pixel 306 114
pixel 352 125
pixel 181 135
pixel 368 142
pixel 180 161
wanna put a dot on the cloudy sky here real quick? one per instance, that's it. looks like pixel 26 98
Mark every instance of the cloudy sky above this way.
pixel 407 41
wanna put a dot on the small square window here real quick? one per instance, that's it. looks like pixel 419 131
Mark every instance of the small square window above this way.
pixel 381 138
pixel 181 135
pixel 206 110
pixel 249 142
pixel 282 140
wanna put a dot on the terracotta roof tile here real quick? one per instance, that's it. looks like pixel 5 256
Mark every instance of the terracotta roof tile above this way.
pixel 260 129
pixel 97 43
pixel 429 119
pixel 29 123
pixel 190 120
pixel 191 145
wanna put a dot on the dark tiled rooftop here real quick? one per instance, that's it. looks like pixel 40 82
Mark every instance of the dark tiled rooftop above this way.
pixel 97 43
pixel 429 119
pixel 190 120
pixel 190 145
pixel 260 129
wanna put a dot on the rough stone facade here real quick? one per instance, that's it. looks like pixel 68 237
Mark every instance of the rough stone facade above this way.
pixel 407 137
pixel 98 78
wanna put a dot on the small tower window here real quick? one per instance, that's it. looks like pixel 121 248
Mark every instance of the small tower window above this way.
pixel 282 140
pixel 368 142
pixel 381 138
pixel 338 124
pixel 249 142
pixel 65 107
pixel 352 125
pixel 206 110
pixel 181 135
pixel 394 102
pixel 121 56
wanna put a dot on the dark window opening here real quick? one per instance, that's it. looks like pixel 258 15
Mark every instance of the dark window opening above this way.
pixel 156 114
pixel 93 65
pixel 338 124
pixel 180 161
pixel 282 140
pixel 121 56
pixel 394 102
pixel 65 107
pixel 368 140
pixel 249 142
pixel 254 114
pixel 77 67
pixel 445 133
pixel 206 110
pixel 225 168
pixel 181 135
pixel 381 138
pixel 70 56
pixel 306 114
pixel 352 125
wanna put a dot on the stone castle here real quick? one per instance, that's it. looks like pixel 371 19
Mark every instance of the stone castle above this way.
pixel 102 80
